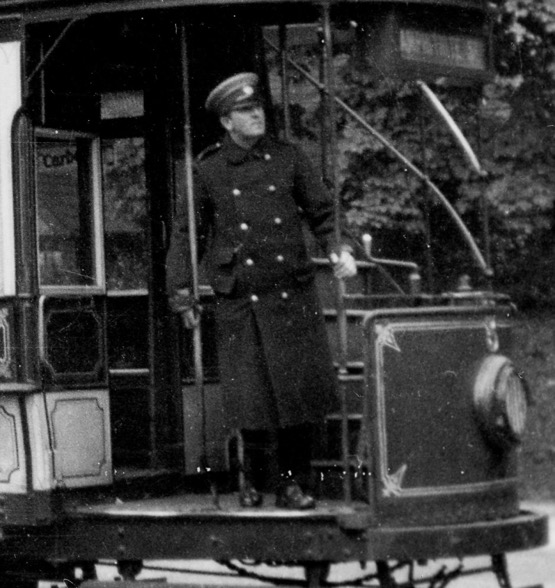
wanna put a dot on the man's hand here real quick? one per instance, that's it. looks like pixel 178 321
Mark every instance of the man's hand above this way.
pixel 191 318
pixel 344 265
pixel 187 307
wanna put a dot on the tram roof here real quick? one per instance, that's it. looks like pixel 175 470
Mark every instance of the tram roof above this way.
pixel 42 10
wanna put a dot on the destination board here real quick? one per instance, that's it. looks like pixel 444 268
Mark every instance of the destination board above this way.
pixel 443 49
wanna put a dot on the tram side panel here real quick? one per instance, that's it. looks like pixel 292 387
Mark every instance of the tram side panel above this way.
pixel 55 432
pixel 14 458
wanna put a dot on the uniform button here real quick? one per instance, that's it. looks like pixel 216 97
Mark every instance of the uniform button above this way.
pixel 271 188
pixel 244 226
pixel 267 156
pixel 285 295
pixel 249 261
pixel 277 220
pixel 254 298
pixel 236 192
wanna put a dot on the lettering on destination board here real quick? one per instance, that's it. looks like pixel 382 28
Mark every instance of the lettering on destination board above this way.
pixel 443 49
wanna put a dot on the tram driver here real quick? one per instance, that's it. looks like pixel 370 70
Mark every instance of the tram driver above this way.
pixel 251 194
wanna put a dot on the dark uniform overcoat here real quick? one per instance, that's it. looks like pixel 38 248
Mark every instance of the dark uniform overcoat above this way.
pixel 274 359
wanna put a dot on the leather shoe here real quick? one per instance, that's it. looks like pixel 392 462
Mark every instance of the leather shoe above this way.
pixel 249 497
pixel 290 495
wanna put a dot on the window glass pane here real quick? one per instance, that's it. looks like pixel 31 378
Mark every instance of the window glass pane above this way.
pixel 65 212
pixel 126 219
pixel 128 332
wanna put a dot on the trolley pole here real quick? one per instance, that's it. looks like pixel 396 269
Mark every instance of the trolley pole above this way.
pixel 330 157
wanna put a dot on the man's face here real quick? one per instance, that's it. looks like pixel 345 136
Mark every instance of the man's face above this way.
pixel 245 125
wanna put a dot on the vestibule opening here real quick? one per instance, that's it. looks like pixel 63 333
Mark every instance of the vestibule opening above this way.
pixel 119 81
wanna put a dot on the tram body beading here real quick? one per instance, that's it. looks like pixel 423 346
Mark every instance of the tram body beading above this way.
pixel 98 400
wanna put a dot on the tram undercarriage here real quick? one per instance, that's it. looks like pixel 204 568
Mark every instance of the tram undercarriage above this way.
pixel 193 527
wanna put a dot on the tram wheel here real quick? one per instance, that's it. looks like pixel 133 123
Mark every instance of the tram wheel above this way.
pixel 385 578
pixel 316 573
pixel 129 569
pixel 500 569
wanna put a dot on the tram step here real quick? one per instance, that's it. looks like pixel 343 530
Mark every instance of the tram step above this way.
pixel 353 385
pixel 355 334
pixel 334 425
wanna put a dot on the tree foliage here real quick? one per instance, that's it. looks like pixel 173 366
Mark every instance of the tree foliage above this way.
pixel 510 123
pixel 518 126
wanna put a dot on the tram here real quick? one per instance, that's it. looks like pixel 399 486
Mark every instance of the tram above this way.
pixel 112 443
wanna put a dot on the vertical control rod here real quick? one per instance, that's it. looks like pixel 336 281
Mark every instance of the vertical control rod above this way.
pixel 197 335
pixel 331 171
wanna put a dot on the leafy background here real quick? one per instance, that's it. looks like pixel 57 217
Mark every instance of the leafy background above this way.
pixel 509 122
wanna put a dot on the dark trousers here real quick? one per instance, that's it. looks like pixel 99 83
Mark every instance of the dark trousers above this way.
pixel 271 457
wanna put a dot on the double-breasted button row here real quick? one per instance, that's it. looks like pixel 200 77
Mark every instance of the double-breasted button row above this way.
pixel 284 295
pixel 237 192
pixel 279 259
pixel 250 261
pixel 277 221
pixel 245 226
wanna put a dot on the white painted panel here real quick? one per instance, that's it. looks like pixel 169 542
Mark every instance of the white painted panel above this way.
pixel 41 454
pixel 80 431
pixel 10 101
pixel 72 448
pixel 12 453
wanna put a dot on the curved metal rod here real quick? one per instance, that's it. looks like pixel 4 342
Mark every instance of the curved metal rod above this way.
pixel 453 127
pixel 478 257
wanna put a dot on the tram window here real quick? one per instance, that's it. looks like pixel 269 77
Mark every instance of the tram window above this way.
pixel 67 209
pixel 126 219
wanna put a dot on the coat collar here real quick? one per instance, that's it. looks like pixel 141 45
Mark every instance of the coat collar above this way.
pixel 236 155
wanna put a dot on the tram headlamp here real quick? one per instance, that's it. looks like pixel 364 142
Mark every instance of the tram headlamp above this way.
pixel 501 401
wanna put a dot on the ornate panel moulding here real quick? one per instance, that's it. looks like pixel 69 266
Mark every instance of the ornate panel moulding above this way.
pixel 9 454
